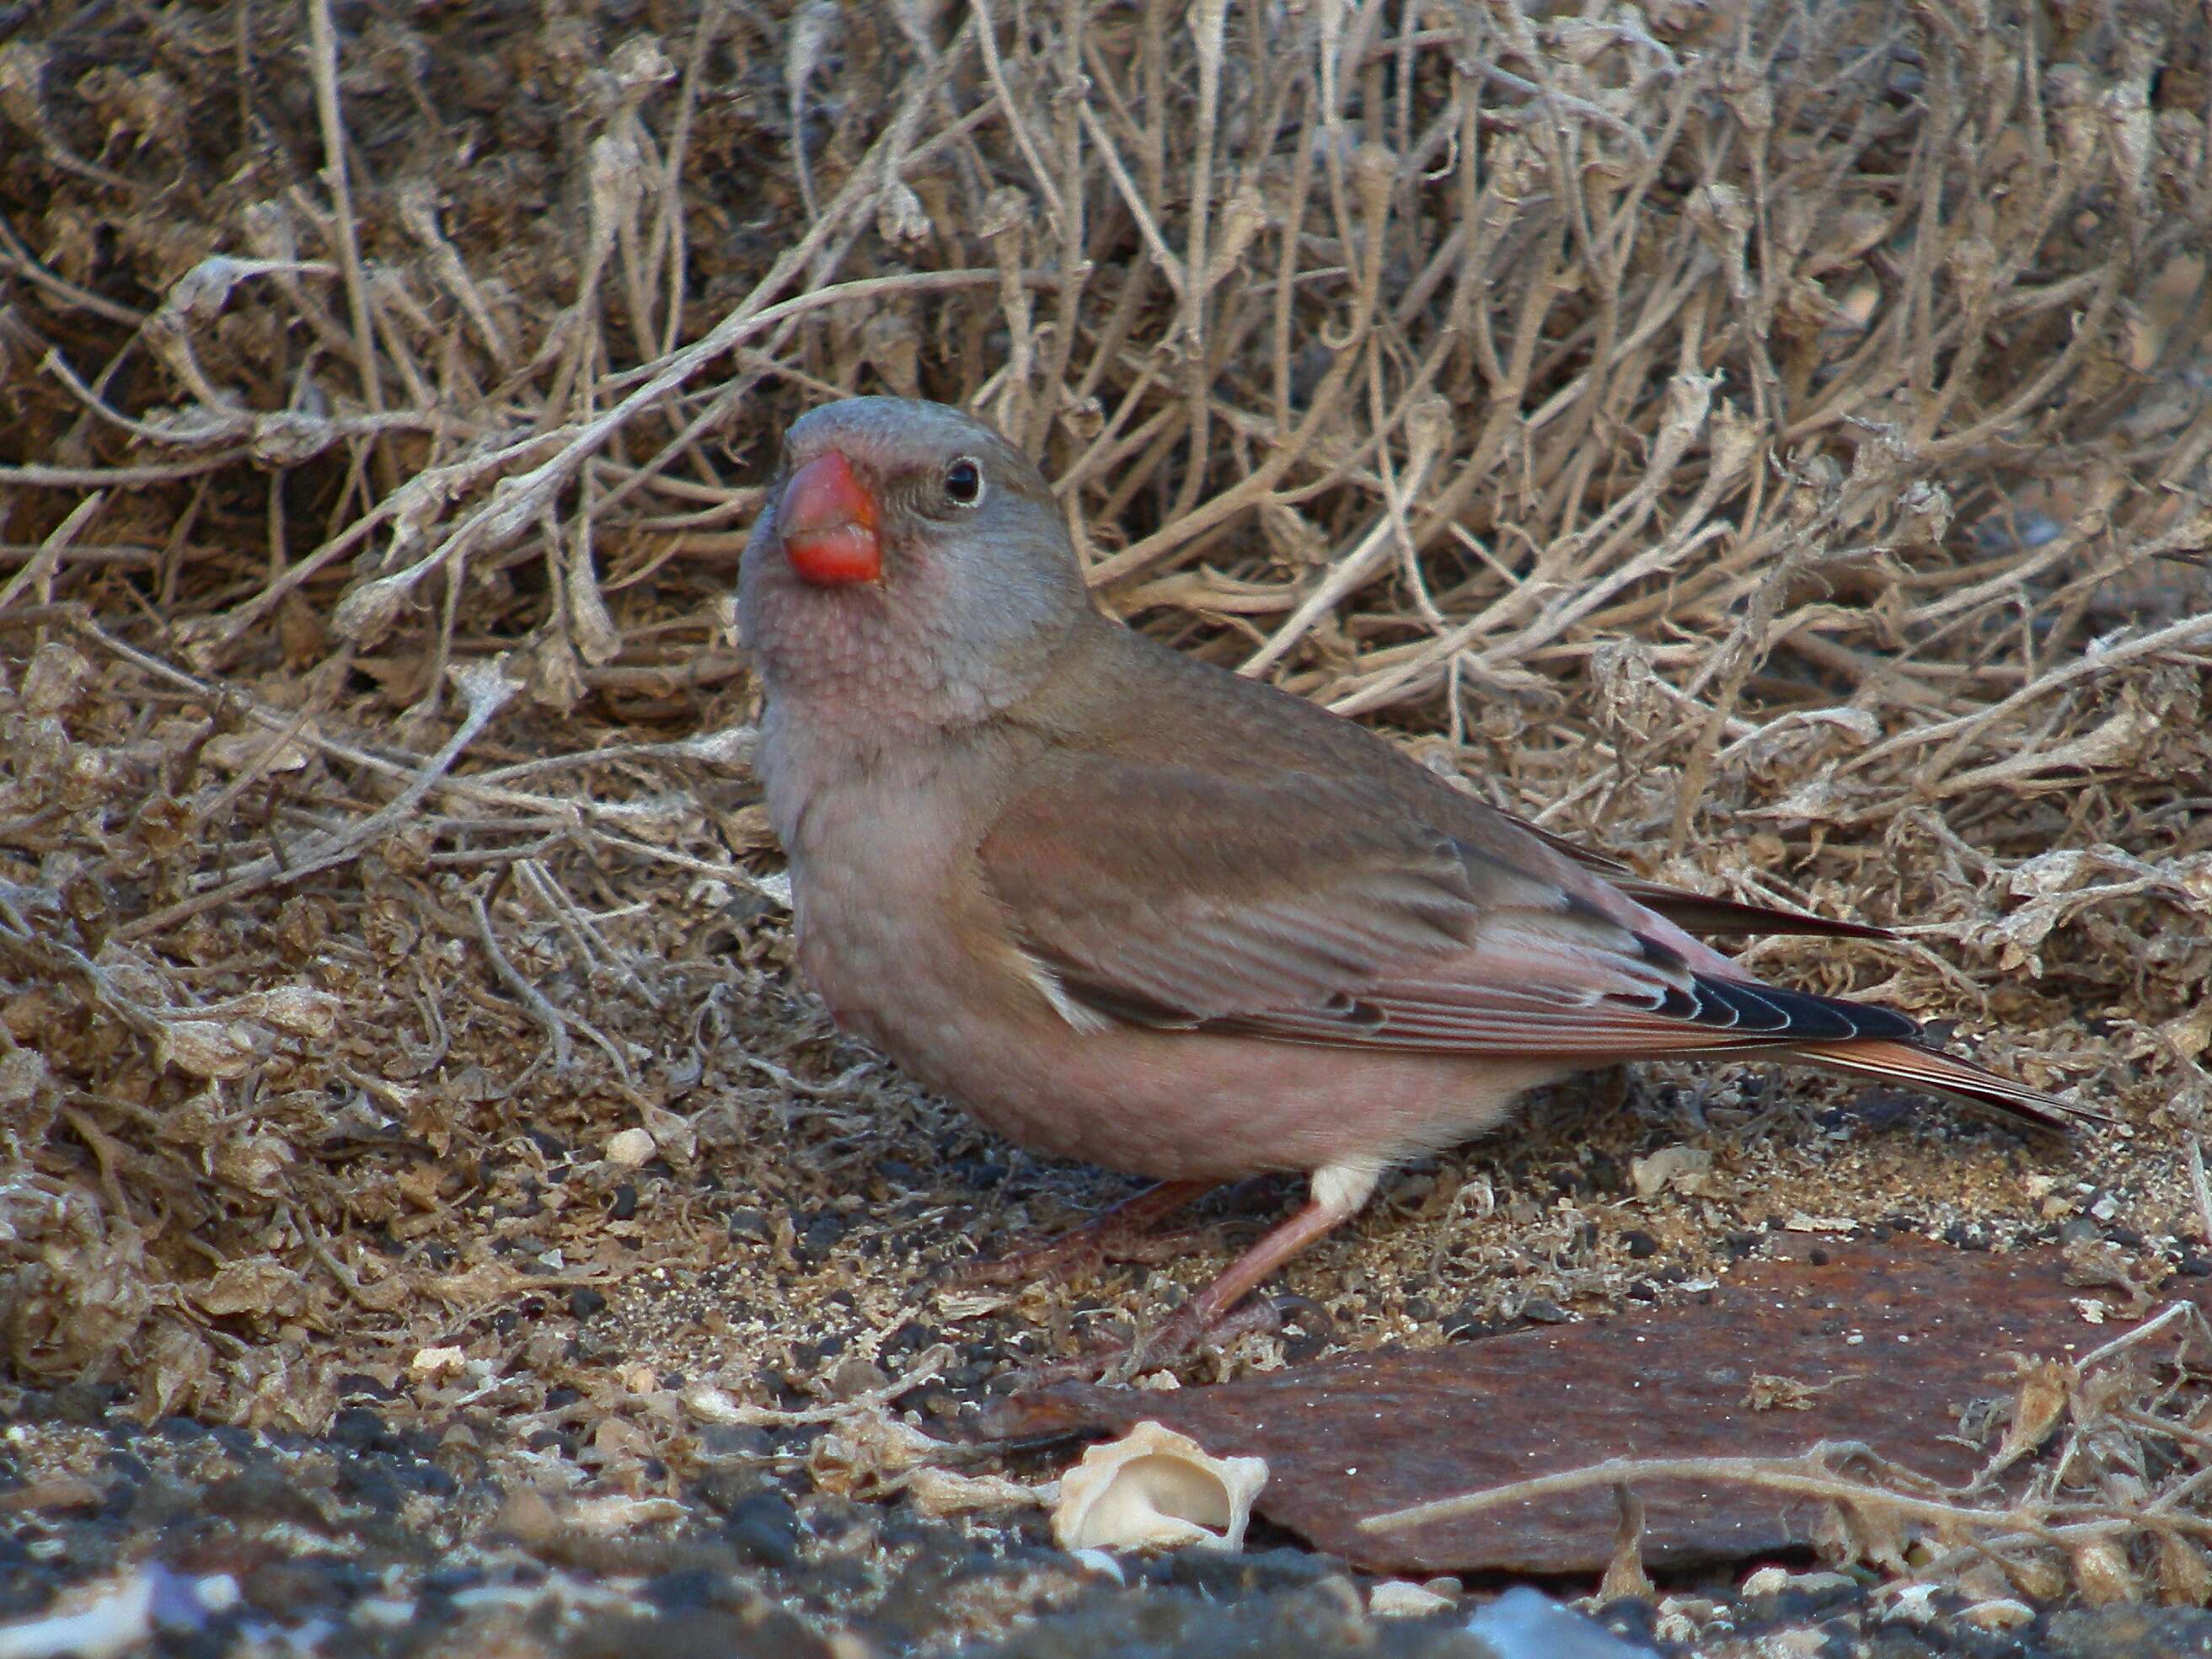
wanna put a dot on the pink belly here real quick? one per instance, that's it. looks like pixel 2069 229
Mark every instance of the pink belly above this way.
pixel 1161 1103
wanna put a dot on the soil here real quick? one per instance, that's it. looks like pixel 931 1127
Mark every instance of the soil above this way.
pixel 1767 444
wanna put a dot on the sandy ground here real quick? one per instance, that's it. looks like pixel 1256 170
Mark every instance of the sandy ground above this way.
pixel 432 1218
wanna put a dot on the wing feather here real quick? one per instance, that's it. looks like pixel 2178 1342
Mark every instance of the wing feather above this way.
pixel 1283 910
pixel 1297 909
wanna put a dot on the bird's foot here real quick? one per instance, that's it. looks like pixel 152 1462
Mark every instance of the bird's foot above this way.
pixel 1076 1255
pixel 1193 1329
pixel 1121 1234
pixel 1220 1313
pixel 1194 1326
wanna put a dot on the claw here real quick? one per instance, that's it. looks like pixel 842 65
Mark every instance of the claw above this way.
pixel 1121 1234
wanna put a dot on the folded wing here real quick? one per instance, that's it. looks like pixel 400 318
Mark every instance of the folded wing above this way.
pixel 1290 910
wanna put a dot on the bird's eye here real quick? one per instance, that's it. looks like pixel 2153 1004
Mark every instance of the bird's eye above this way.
pixel 964 482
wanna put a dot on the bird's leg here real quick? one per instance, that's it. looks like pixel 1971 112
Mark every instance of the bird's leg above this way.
pixel 1114 1235
pixel 1337 1193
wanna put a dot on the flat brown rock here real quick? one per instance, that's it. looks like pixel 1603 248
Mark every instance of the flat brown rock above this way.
pixel 1884 1343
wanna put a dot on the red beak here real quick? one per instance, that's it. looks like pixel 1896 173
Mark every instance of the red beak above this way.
pixel 827 520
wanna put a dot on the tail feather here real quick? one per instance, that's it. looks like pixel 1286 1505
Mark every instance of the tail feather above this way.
pixel 1697 912
pixel 1908 1062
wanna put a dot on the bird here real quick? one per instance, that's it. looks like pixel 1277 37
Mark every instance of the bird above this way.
pixel 1129 908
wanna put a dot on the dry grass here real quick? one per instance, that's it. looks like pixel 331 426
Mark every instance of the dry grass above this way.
pixel 1769 438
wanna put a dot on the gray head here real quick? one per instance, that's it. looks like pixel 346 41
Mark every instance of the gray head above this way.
pixel 910 565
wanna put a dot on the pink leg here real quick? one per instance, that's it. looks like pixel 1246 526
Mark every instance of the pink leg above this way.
pixel 1114 1235
pixel 1213 1314
pixel 1207 1312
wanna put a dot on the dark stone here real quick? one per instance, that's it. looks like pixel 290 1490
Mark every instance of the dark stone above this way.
pixel 362 1481
pixel 262 1492
pixel 912 1337
pixel 764 1527
pixel 735 1440
pixel 585 1302
pixel 1469 1324
pixel 124 1464
pixel 1216 1574
pixel 722 1486
pixel 212 1640
pixel 79 1403
pixel 690 1588
pixel 2130 1631
pixel 1965 1235
pixel 1630 1618
pixel 357 1428
pixel 1793 1605
pixel 823 1231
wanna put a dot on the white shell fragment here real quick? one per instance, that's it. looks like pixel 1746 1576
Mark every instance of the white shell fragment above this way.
pixel 1688 1170
pixel 1400 1598
pixel 1155 1489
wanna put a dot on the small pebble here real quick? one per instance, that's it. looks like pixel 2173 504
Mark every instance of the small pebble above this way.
pixel 217 1593
pixel 1400 1598
pixel 630 1148
pixel 1796 1644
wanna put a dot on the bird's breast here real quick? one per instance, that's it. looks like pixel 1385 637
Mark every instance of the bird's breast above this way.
pixel 890 909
